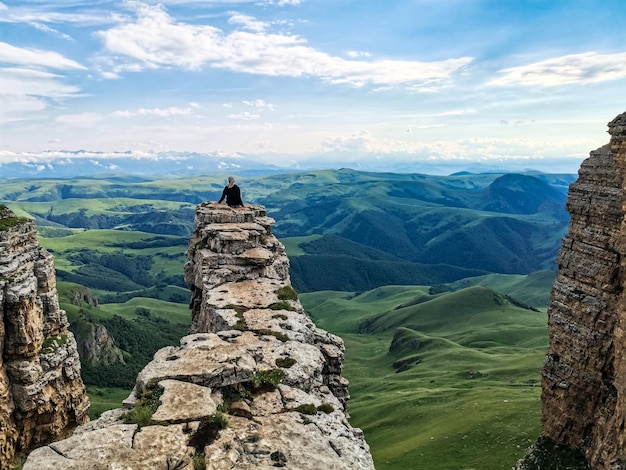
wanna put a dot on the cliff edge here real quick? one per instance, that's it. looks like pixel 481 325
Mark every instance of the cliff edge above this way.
pixel 584 373
pixel 42 396
pixel 255 385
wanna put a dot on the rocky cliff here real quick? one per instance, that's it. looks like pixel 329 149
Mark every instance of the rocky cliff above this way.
pixel 42 396
pixel 584 374
pixel 255 385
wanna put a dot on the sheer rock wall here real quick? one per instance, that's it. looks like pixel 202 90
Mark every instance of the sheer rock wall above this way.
pixel 253 359
pixel 584 373
pixel 42 396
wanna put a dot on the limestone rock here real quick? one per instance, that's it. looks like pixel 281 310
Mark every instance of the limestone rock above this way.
pixel 584 373
pixel 254 362
pixel 42 396
pixel 96 346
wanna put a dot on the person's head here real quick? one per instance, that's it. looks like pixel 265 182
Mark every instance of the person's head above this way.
pixel 231 180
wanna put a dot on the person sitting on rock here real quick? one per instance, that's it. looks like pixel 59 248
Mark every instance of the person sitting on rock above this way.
pixel 232 194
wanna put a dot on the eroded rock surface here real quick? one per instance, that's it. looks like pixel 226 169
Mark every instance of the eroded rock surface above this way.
pixel 42 396
pixel 254 362
pixel 584 374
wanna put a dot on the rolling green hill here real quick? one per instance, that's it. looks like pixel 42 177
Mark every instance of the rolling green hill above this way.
pixel 509 224
pixel 439 381
pixel 335 263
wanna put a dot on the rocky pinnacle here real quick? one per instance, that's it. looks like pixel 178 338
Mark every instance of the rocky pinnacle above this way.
pixel 42 396
pixel 255 385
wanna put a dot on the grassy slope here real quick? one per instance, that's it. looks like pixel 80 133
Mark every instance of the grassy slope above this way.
pixel 293 244
pixel 470 398
pixel 532 289
pixel 105 398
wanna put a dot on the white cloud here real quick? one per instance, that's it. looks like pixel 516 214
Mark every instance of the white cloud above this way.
pixel 80 120
pixel 14 108
pixel 248 22
pixel 470 149
pixel 42 13
pixel 159 112
pixel 281 3
pixel 156 40
pixel 456 112
pixel 48 29
pixel 355 54
pixel 171 111
pixel 589 67
pixel 123 114
pixel 36 57
pixel 28 82
pixel 259 104
pixel 27 87
pixel 245 116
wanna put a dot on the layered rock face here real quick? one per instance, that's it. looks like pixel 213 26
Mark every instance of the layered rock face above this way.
pixel 584 374
pixel 42 396
pixel 255 385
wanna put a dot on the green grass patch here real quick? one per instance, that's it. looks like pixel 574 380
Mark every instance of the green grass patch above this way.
pixel 199 461
pixel 159 309
pixel 286 293
pixel 292 244
pixel 282 305
pixel 8 219
pixel 105 398
pixel 147 405
pixel 326 408
pixel 267 379
pixel 52 343
pixel 276 334
pixel 306 409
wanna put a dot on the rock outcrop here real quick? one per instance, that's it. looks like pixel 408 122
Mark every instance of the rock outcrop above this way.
pixel 97 347
pixel 255 385
pixel 584 374
pixel 42 396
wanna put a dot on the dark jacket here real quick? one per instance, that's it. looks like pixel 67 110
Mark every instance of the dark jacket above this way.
pixel 232 196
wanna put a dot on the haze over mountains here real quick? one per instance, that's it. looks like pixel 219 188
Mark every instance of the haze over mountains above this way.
pixel 86 163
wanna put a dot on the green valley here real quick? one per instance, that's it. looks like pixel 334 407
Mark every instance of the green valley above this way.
pixel 439 381
pixel 437 284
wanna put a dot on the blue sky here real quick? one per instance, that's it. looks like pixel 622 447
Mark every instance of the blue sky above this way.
pixel 296 81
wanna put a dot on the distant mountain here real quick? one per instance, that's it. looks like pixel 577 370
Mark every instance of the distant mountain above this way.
pixel 522 194
pixel 82 163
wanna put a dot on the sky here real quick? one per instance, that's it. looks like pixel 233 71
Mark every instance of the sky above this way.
pixel 291 82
